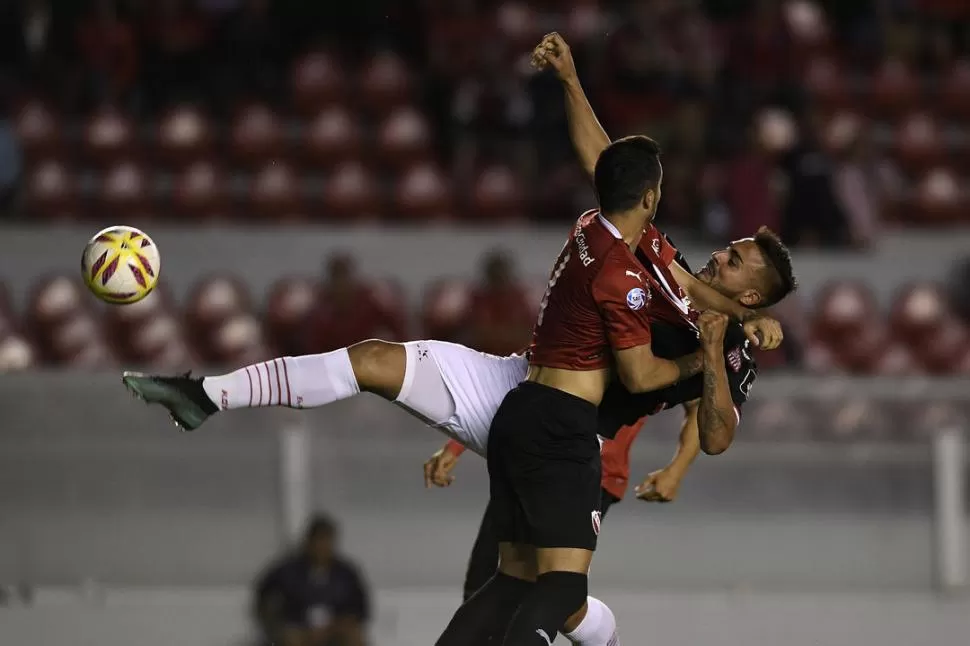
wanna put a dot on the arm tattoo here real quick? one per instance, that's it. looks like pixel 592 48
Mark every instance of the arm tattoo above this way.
pixel 711 422
pixel 689 365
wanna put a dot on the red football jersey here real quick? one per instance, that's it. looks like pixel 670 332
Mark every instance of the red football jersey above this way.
pixel 670 301
pixel 597 298
pixel 615 456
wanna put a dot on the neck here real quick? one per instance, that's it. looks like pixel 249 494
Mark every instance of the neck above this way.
pixel 630 225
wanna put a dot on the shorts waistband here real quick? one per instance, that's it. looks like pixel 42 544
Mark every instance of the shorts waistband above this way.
pixel 567 399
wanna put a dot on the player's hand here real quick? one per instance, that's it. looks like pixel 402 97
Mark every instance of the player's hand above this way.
pixel 553 52
pixel 438 468
pixel 712 325
pixel 763 332
pixel 659 486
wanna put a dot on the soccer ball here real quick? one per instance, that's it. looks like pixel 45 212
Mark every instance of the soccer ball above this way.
pixel 120 265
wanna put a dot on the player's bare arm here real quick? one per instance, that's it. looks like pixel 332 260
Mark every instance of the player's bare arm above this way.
pixel 585 131
pixel 716 415
pixel 640 370
pixel 662 485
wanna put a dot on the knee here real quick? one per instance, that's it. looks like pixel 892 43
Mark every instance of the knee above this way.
pixel 576 618
pixel 567 590
pixel 378 366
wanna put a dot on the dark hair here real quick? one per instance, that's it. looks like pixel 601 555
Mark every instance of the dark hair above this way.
pixel 779 274
pixel 626 169
pixel 320 525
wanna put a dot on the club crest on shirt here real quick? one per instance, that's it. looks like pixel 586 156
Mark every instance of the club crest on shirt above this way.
pixel 734 359
pixel 637 297
pixel 597 517
pixel 655 245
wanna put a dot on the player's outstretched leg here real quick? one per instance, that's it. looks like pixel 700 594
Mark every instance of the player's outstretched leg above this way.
pixel 306 381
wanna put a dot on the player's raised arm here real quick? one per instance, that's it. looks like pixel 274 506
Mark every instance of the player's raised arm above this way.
pixel 585 131
pixel 717 416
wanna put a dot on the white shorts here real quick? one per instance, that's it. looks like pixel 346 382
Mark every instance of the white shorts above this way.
pixel 456 389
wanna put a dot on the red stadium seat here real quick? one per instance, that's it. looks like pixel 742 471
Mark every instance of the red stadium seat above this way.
pixel 404 138
pixel 152 338
pixel 955 92
pixel 819 358
pixel 919 143
pixel 38 129
pixel 184 135
pixel 498 195
pixel 944 352
pixel 288 307
pixel 826 84
pixel 255 135
pixel 939 198
pixel 54 300
pixel 385 82
pixel 199 190
pixel 317 80
pixel 519 27
pixel 841 131
pixel 237 341
pixel 445 309
pixel 843 309
pixel 332 136
pixel 125 189
pixel 77 340
pixel 51 191
pixel 424 193
pixel 894 89
pixel 275 192
pixel 108 135
pixel 16 354
pixel 352 192
pixel 213 301
pixel 918 313
pixel 120 321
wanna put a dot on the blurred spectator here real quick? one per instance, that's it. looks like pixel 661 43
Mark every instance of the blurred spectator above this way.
pixel 313 597
pixel 250 52
pixel 348 310
pixel 176 62
pixel 11 159
pixel 857 188
pixel 501 314
pixel 108 48
pixel 748 190
pixel 813 215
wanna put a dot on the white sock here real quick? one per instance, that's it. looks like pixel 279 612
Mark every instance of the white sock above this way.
pixel 295 382
pixel 598 627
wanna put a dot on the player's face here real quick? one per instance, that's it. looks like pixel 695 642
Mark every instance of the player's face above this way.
pixel 735 271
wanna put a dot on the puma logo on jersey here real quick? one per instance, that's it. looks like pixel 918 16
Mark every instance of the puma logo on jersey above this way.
pixel 635 274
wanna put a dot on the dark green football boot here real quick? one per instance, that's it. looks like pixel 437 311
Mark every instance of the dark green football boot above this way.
pixel 183 396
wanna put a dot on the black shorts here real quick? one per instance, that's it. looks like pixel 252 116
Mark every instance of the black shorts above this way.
pixel 544 469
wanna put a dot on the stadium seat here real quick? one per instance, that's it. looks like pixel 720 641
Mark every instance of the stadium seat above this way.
pixel 939 197
pixel 918 312
pixel 51 191
pixel 351 192
pixel 826 84
pixel 445 309
pixel 288 308
pixel 945 352
pixel 893 90
pixel 317 80
pixel 918 143
pixel 212 302
pixel 125 189
pixel 255 135
pixel 275 193
pixel 497 195
pixel 330 137
pixel 843 309
pixel 384 83
pixel 519 27
pixel 16 354
pixel 53 300
pixel 200 190
pixel 423 192
pixel 108 136
pixel 955 90
pixel 389 295
pixel 77 340
pixel 404 138
pixel 151 338
pixel 237 341
pixel 38 130
pixel 183 135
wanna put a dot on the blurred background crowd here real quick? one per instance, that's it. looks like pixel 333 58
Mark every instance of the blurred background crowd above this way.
pixel 830 122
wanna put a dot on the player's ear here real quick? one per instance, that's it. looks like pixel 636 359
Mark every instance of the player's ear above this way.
pixel 649 200
pixel 750 298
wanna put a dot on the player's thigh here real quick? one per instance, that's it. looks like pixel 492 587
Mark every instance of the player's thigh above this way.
pixel 562 559
pixel 518 560
pixel 423 391
pixel 379 366
pixel 561 502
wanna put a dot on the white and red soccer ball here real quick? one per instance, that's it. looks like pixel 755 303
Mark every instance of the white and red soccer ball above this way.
pixel 120 265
